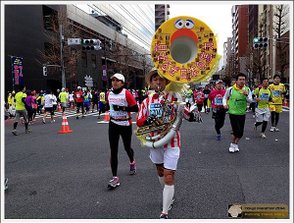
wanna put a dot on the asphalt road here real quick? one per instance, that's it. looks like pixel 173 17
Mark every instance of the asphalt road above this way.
pixel 54 176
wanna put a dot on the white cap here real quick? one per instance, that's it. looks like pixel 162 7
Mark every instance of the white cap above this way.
pixel 119 77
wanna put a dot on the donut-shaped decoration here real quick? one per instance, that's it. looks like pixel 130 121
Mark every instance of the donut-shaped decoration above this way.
pixel 184 50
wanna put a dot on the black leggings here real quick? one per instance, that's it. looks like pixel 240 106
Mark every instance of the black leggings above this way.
pixel 114 131
pixel 275 118
pixel 237 123
pixel 219 120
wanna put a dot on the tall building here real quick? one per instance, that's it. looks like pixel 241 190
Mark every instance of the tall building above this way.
pixel 240 21
pixel 161 14
pixel 273 23
pixel 253 53
pixel 137 20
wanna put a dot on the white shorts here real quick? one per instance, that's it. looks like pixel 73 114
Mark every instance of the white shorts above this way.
pixel 169 157
pixel 262 114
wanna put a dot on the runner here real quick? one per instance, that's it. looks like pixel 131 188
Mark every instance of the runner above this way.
pixel 121 103
pixel 71 100
pixel 206 92
pixel 278 91
pixel 262 96
pixel 63 97
pixel 20 110
pixel 102 102
pixel 199 98
pixel 79 99
pixel 48 107
pixel 238 94
pixel 218 111
pixel 165 158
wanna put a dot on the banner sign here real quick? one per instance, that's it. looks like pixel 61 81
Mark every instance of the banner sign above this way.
pixel 17 71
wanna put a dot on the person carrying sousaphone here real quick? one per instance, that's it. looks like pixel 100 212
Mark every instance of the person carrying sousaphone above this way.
pixel 165 157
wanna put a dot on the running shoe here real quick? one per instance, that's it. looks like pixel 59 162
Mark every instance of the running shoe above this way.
pixel 77 117
pixel 52 121
pixel 113 183
pixel 262 135
pixel 27 131
pixel 43 120
pixel 132 168
pixel 218 137
pixel 272 129
pixel 163 216
pixel 232 148
pixel 276 129
pixel 14 132
pixel 236 148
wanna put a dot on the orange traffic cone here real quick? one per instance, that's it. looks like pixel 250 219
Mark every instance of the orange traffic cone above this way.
pixel 106 117
pixel 59 109
pixel 64 126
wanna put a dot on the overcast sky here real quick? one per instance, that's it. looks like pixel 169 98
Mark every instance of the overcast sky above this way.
pixel 216 15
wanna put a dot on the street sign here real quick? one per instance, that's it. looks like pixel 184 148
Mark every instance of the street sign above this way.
pixel 88 81
pixel 74 41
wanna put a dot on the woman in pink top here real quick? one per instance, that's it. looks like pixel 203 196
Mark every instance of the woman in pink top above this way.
pixel 218 111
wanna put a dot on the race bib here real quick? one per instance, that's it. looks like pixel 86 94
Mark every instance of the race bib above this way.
pixel 156 110
pixel 78 95
pixel 264 97
pixel 218 101
pixel 276 93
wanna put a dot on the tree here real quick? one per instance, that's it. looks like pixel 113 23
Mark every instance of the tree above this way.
pixel 51 55
pixel 281 25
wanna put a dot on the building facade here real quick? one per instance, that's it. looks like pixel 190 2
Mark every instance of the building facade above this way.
pixel 161 14
pixel 31 35
pixel 252 21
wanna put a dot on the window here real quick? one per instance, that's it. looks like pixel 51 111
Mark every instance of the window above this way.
pixel 50 19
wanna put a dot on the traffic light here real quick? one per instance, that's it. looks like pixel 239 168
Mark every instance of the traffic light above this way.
pixel 260 42
pixel 45 71
pixel 91 44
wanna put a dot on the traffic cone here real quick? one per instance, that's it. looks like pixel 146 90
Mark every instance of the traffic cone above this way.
pixel 59 109
pixel 64 126
pixel 106 117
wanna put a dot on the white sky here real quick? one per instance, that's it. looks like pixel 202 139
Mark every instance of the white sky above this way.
pixel 216 15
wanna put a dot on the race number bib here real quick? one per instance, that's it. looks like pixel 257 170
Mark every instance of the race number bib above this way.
pixel 276 93
pixel 156 110
pixel 264 97
pixel 218 101
pixel 78 95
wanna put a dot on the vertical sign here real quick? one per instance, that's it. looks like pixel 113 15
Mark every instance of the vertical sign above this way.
pixel 104 73
pixel 17 71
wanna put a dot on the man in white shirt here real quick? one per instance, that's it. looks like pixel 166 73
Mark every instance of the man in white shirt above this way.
pixel 48 99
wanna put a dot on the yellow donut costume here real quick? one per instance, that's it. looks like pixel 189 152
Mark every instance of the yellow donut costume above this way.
pixel 184 50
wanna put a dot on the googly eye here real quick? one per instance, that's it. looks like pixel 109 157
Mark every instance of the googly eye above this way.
pixel 189 24
pixel 179 24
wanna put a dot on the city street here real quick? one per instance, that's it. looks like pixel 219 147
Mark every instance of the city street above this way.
pixel 65 176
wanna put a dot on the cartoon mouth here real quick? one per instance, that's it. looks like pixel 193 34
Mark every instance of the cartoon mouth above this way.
pixel 184 32
pixel 184 46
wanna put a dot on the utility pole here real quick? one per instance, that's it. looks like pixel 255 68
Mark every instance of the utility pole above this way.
pixel 63 81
